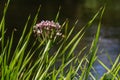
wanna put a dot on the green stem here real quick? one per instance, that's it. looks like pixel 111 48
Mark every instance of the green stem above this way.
pixel 47 48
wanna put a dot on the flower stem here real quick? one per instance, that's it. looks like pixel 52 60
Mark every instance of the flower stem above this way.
pixel 47 48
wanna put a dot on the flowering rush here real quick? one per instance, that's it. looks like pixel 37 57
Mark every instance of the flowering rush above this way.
pixel 47 29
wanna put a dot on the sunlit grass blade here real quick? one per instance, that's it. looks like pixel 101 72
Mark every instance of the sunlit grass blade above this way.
pixel 2 24
pixel 4 62
pixel 88 62
pixel 10 46
pixel 79 65
pixel 66 28
pixel 69 75
pixel 17 56
pixel 61 68
pixel 2 33
pixel 50 63
pixel 116 62
pixel 116 73
pixel 91 61
pixel 22 36
pixel 4 13
pixel 72 41
pixel 36 17
pixel 57 16
pixel 29 72
pixel 71 31
pixel 38 72
pixel 29 56
pixel 94 17
pixel 83 70
pixel 105 67
pixel 93 49
pixel 110 59
pixel 92 76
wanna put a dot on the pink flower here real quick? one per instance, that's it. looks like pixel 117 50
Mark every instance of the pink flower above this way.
pixel 47 29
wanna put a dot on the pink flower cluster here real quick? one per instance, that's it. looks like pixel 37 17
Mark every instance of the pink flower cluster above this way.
pixel 48 24
pixel 48 27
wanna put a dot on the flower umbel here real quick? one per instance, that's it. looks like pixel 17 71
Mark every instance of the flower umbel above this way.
pixel 47 29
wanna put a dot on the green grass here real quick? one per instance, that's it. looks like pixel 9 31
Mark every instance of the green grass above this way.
pixel 37 63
